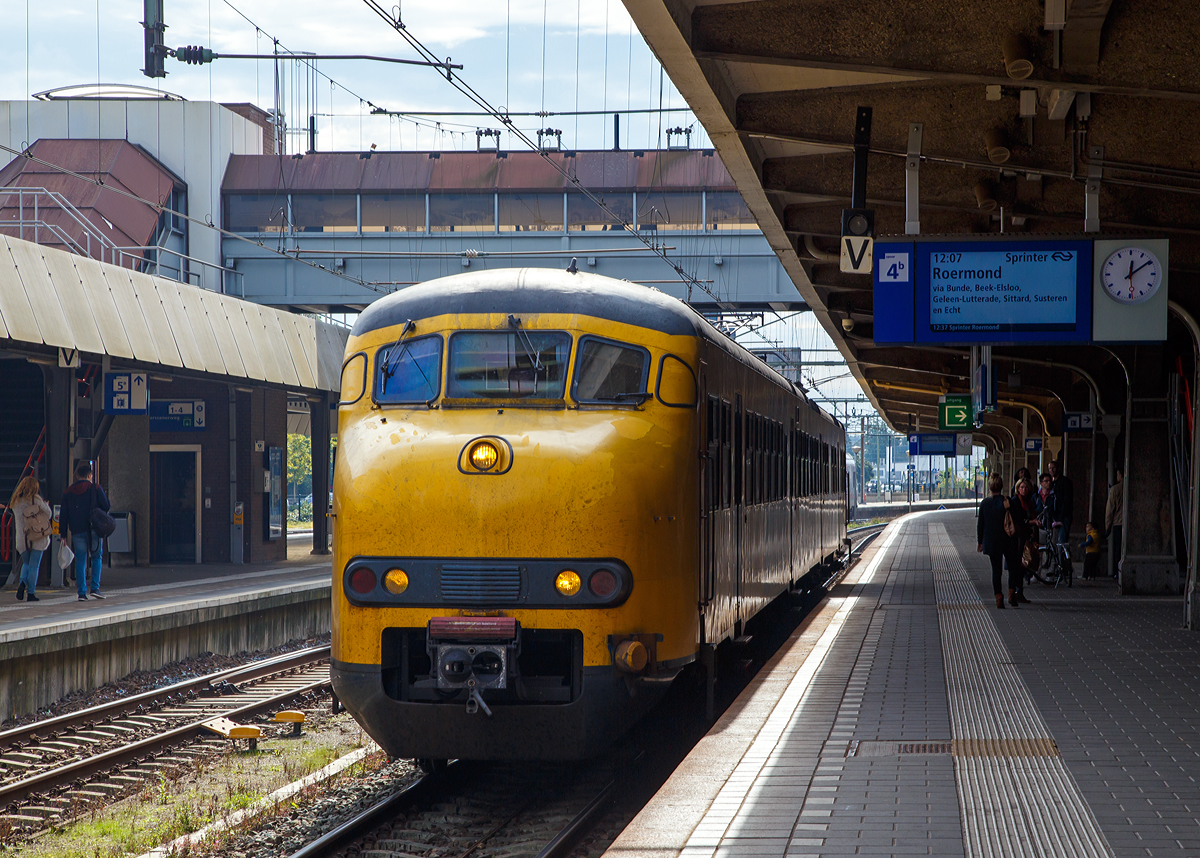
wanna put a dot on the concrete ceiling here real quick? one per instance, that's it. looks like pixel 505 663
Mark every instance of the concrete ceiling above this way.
pixel 776 83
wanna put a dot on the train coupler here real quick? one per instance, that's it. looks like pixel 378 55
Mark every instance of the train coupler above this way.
pixel 475 703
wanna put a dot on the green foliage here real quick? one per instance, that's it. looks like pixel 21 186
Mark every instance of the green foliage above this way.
pixel 299 465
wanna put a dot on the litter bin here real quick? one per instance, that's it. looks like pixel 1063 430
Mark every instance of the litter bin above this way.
pixel 123 540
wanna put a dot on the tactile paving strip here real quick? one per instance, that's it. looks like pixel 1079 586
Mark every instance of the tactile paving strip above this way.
pixel 1016 795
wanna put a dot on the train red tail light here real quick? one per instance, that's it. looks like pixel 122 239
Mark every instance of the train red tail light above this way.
pixel 362 580
pixel 603 583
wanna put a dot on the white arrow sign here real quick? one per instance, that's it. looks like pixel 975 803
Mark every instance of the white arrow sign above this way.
pixel 857 254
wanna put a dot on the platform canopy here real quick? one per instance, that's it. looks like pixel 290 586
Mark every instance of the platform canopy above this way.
pixel 52 298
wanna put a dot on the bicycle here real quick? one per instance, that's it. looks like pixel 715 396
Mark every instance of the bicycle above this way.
pixel 1054 565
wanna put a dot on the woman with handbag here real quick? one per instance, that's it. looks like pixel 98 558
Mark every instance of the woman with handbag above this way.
pixel 1025 514
pixel 996 530
pixel 33 531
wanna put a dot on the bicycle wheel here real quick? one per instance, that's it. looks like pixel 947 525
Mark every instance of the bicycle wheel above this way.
pixel 1046 571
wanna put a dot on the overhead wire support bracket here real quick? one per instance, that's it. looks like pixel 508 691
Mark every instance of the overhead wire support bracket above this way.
pixel 198 55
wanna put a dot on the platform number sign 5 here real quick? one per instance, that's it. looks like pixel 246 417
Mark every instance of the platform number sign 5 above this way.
pixel 894 267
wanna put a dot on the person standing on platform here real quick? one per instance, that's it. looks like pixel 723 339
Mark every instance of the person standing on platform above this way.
pixel 1091 556
pixel 1064 490
pixel 78 501
pixel 996 543
pixel 1114 514
pixel 33 529
pixel 1025 512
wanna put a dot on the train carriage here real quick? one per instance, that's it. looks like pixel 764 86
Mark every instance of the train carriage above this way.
pixel 553 490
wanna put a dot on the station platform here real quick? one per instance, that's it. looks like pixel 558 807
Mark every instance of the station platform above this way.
pixel 909 716
pixel 154 615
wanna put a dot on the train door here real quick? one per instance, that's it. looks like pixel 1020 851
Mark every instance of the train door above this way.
pixel 739 518
pixel 710 500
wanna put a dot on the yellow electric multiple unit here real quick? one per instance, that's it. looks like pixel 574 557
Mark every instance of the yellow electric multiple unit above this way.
pixel 552 490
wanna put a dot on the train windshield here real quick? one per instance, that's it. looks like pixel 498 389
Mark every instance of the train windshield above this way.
pixel 610 372
pixel 409 371
pixel 516 364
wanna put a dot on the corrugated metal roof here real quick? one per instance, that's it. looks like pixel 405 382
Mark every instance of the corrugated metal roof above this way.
pixel 51 297
pixel 350 172
pixel 120 164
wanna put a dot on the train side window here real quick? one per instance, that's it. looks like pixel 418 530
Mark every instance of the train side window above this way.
pixel 712 449
pixel 676 383
pixel 607 371
pixel 354 379
pixel 409 371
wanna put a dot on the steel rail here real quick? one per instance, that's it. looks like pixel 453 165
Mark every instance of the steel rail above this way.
pixel 137 751
pixel 562 842
pixel 357 825
pixel 127 705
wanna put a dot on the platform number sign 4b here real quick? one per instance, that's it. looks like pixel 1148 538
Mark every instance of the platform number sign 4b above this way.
pixel 893 267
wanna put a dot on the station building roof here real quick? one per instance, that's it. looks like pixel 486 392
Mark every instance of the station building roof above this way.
pixel 49 297
pixel 421 172
pixel 118 164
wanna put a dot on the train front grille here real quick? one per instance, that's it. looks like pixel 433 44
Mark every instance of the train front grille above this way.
pixel 471 584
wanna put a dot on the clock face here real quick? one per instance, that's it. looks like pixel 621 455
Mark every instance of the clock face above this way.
pixel 1131 275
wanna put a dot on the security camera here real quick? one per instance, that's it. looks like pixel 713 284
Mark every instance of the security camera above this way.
pixel 847 325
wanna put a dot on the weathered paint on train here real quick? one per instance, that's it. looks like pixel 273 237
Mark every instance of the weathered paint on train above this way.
pixel 656 485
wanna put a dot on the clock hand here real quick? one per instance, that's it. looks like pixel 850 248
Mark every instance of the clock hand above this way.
pixel 1129 276
pixel 1140 267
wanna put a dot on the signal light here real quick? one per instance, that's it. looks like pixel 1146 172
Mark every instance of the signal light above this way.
pixel 362 580
pixel 603 583
pixel 567 583
pixel 395 581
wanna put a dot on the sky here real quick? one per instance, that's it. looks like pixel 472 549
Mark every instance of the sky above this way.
pixel 523 55
pixel 526 55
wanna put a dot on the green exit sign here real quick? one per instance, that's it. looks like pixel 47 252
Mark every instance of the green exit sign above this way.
pixel 954 412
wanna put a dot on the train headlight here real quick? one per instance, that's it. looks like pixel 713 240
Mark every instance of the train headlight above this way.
pixel 395 581
pixel 484 456
pixel 567 582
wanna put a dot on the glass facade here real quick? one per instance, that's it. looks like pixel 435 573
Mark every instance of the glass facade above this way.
pixel 583 215
pixel 477 213
pixel 669 211
pixel 530 212
pixel 393 212
pixel 325 212
pixel 462 212
pixel 256 212
pixel 725 210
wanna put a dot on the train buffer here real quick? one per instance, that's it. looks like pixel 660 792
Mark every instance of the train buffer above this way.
pixel 291 716
pixel 232 730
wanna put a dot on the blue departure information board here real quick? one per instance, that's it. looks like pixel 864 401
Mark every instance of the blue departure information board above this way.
pixel 981 291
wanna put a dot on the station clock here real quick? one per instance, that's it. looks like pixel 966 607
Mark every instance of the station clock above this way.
pixel 1131 275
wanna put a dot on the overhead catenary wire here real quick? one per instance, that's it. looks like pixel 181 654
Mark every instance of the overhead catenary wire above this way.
pixel 473 95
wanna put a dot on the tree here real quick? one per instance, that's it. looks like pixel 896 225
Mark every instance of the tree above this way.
pixel 299 465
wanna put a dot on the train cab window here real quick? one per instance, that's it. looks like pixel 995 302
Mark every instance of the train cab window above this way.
pixel 518 364
pixel 606 371
pixel 409 371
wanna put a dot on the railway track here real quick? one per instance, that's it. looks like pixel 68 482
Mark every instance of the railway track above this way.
pixel 53 767
pixel 477 811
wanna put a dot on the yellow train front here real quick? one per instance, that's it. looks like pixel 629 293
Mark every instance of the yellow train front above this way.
pixel 528 544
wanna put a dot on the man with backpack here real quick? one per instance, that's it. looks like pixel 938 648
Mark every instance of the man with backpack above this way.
pixel 85 512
